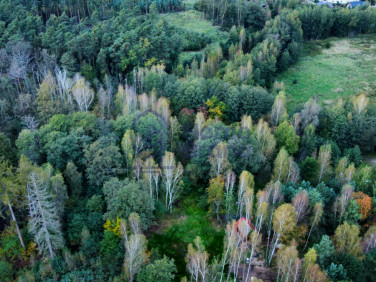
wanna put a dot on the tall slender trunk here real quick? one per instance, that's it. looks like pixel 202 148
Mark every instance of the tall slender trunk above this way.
pixel 16 224
pixel 309 234
pixel 224 262
pixel 88 9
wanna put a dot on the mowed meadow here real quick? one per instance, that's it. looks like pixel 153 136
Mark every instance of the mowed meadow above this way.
pixel 332 68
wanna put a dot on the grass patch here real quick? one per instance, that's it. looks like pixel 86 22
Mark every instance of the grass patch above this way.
pixel 192 21
pixel 193 221
pixel 189 4
pixel 330 69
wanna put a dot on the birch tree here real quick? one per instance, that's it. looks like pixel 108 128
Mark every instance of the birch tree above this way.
pixel 346 239
pixel 64 84
pixel 281 166
pixel 127 144
pixel 219 159
pixel 241 247
pixel 248 203
pixel 172 174
pixel 163 108
pixel 370 238
pixel 9 188
pixel 324 161
pixel 229 245
pixel 272 195
pixel 126 99
pixel 197 260
pixel 360 103
pixel 137 168
pixel 246 181
pixel 310 114
pixel 256 236
pixel 216 195
pixel 82 93
pixel 349 173
pixel 246 122
pixel 143 102
pixel 343 200
pixel 199 124
pixel 288 263
pixel 301 204
pixel 156 178
pixel 44 222
pixel 313 273
pixel 148 174
pixel 279 108
pixel 175 132
pixel 315 219
pixel 229 192
pixel 284 222
pixel 135 247
pixel 265 138
pixel 104 97
pixel 340 169
pixel 296 121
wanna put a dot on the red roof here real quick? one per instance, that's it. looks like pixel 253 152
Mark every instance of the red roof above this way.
pixel 248 221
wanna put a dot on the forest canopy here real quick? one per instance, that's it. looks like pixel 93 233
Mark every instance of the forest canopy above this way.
pixel 134 147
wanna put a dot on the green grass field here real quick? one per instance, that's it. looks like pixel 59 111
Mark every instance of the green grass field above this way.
pixel 193 21
pixel 346 68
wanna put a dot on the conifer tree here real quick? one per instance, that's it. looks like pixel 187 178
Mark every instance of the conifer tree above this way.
pixel 44 222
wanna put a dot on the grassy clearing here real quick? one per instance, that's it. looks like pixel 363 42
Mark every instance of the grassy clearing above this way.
pixel 175 232
pixel 193 21
pixel 346 68
pixel 189 4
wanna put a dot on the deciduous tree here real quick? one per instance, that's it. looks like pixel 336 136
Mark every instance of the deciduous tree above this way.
pixel 219 159
pixel 82 93
pixel 284 222
pixel 346 239
pixel 278 109
pixel 161 270
pixel 286 137
pixel 135 247
pixel 288 263
pixel 197 260
pixel 360 103
pixel 324 161
pixel 10 187
pixel 216 195
pixel 172 174
pixel 265 138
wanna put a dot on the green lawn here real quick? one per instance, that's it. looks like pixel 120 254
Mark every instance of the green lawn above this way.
pixel 347 68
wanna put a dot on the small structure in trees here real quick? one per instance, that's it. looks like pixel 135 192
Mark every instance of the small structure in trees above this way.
pixel 238 223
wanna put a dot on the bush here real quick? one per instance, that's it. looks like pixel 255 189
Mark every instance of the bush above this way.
pixel 6 271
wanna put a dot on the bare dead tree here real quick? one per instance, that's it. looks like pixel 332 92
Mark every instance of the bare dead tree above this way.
pixel 30 122
pixel 20 59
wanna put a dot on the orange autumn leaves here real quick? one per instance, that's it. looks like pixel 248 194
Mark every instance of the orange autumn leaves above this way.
pixel 365 203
